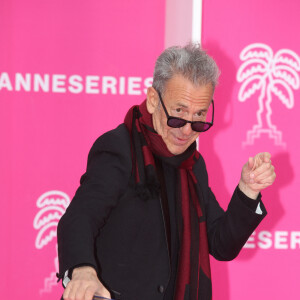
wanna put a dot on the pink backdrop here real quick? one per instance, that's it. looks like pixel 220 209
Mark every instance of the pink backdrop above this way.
pixel 268 268
pixel 98 57
pixel 69 70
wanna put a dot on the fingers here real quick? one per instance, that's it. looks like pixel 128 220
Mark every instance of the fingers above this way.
pixel 260 158
pixel 84 292
pixel 89 294
pixel 263 168
pixel 84 285
pixel 257 174
pixel 103 292
pixel 69 291
pixel 262 162
pixel 267 157
pixel 251 163
pixel 80 290
pixel 264 175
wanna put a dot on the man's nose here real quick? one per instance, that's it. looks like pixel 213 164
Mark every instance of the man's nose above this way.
pixel 187 129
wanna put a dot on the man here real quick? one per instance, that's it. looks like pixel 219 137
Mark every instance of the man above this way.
pixel 143 221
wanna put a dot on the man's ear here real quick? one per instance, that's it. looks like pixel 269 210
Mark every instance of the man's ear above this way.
pixel 152 100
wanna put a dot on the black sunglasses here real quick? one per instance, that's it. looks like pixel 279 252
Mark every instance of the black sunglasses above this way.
pixel 198 126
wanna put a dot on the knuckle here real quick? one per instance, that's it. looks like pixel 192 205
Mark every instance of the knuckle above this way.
pixel 88 296
pixel 90 290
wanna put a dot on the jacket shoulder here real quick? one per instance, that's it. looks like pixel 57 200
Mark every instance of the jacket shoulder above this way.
pixel 116 143
pixel 116 140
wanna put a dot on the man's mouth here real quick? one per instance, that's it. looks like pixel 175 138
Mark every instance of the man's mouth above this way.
pixel 181 141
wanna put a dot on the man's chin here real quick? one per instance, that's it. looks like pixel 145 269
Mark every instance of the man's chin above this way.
pixel 177 149
pixel 178 146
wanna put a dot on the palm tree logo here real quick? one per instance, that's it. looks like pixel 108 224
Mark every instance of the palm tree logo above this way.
pixel 53 205
pixel 274 75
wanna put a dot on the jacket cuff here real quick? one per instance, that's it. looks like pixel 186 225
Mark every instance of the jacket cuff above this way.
pixel 66 276
pixel 255 205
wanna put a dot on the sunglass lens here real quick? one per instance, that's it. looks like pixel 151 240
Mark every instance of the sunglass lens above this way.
pixel 175 123
pixel 200 127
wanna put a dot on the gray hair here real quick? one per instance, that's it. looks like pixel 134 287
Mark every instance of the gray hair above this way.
pixel 190 61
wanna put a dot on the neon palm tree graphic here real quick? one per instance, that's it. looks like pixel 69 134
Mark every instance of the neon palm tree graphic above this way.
pixel 273 75
pixel 53 205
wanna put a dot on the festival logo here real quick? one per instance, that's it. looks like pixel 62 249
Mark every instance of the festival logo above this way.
pixel 275 76
pixel 52 206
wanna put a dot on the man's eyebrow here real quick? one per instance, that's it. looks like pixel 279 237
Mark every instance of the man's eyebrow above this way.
pixel 185 106
pixel 181 104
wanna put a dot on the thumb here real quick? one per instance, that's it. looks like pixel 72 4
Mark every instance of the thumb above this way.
pixel 251 163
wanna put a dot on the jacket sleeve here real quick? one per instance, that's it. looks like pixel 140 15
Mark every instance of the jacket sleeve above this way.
pixel 105 180
pixel 228 230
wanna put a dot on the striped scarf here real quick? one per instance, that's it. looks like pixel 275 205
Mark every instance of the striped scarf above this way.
pixel 193 281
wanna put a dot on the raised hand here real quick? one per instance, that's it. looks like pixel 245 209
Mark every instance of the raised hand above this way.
pixel 257 174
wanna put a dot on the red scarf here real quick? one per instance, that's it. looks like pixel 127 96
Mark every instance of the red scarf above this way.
pixel 193 272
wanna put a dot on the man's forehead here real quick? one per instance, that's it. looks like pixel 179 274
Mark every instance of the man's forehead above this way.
pixel 179 84
pixel 181 95
pixel 196 92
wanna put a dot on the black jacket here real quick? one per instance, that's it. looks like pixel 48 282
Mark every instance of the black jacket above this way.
pixel 109 227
